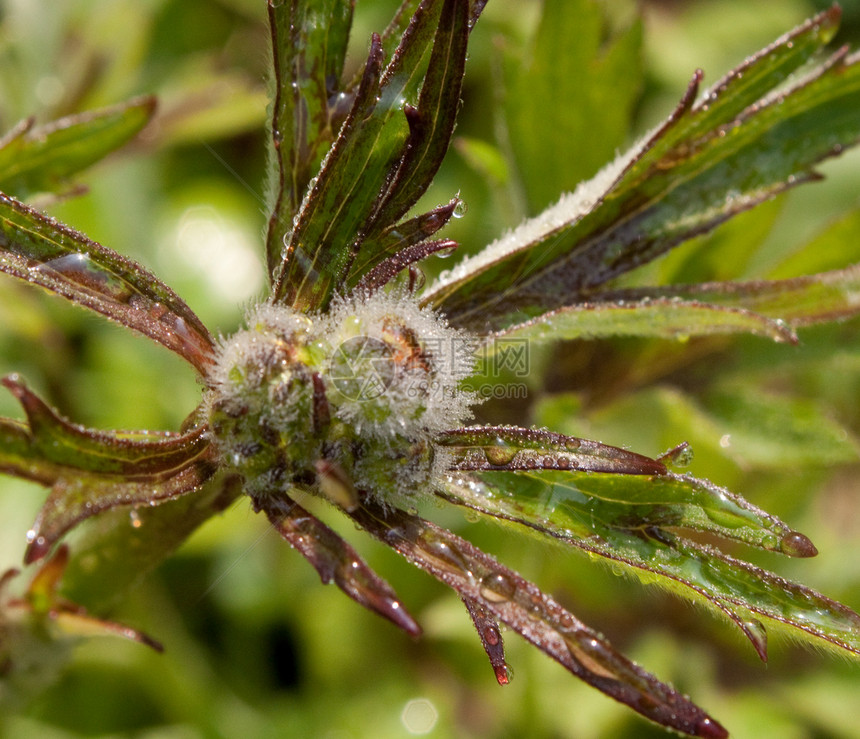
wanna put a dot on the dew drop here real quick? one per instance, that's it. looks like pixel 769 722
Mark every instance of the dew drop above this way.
pixel 31 536
pixel 444 555
pixel 134 518
pixel 769 542
pixel 795 544
pixel 500 456
pixel 497 587
pixel 460 209
pixel 590 653
pixel 471 515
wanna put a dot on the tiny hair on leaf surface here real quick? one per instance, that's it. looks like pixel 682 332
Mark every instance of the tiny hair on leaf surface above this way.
pixel 541 396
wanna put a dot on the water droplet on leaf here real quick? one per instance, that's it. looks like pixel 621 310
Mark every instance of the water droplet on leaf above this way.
pixel 795 544
pixel 500 456
pixel 497 587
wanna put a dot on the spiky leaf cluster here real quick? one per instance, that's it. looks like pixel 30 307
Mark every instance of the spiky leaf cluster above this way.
pixel 331 389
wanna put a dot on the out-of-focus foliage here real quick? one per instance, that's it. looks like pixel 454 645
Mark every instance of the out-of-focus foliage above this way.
pixel 255 647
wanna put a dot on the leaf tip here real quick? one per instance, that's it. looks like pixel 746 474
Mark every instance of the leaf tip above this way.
pixel 795 544
pixel 711 729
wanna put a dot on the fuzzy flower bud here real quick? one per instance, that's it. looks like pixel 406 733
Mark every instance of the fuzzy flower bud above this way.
pixel 342 404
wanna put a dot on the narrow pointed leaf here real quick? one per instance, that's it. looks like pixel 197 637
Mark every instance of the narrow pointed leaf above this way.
pixel 74 498
pixel 336 561
pixel 309 41
pixel 41 251
pixel 742 591
pixel 120 547
pixel 512 448
pixel 491 638
pixel 130 453
pixel 340 208
pixel 43 158
pixel 431 121
pixel 387 246
pixel 44 606
pixel 406 258
pixel 92 471
pixel 637 500
pixel 796 301
pixel 698 170
pixel 320 244
pixel 656 315
pixel 535 616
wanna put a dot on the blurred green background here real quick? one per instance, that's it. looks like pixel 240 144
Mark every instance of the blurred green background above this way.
pixel 256 647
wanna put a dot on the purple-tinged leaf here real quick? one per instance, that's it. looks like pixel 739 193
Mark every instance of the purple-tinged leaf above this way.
pixel 386 247
pixel 129 453
pixel 509 598
pixel 431 121
pixel 309 41
pixel 119 548
pixel 384 130
pixel 336 561
pixel 44 606
pixel 511 448
pixel 43 252
pixel 389 268
pixel 491 637
pixel 76 496
pixel 338 201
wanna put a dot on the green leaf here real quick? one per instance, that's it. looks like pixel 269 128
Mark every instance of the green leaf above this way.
pixel 740 145
pixel 41 251
pixel 828 251
pixel 115 552
pixel 309 40
pixel 92 471
pixel 779 431
pixel 352 190
pixel 655 316
pixel 578 82
pixel 43 158
pixel 797 301
pixel 567 507
pixel 133 454
pixel 507 597
pixel 431 122
pixel 77 496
